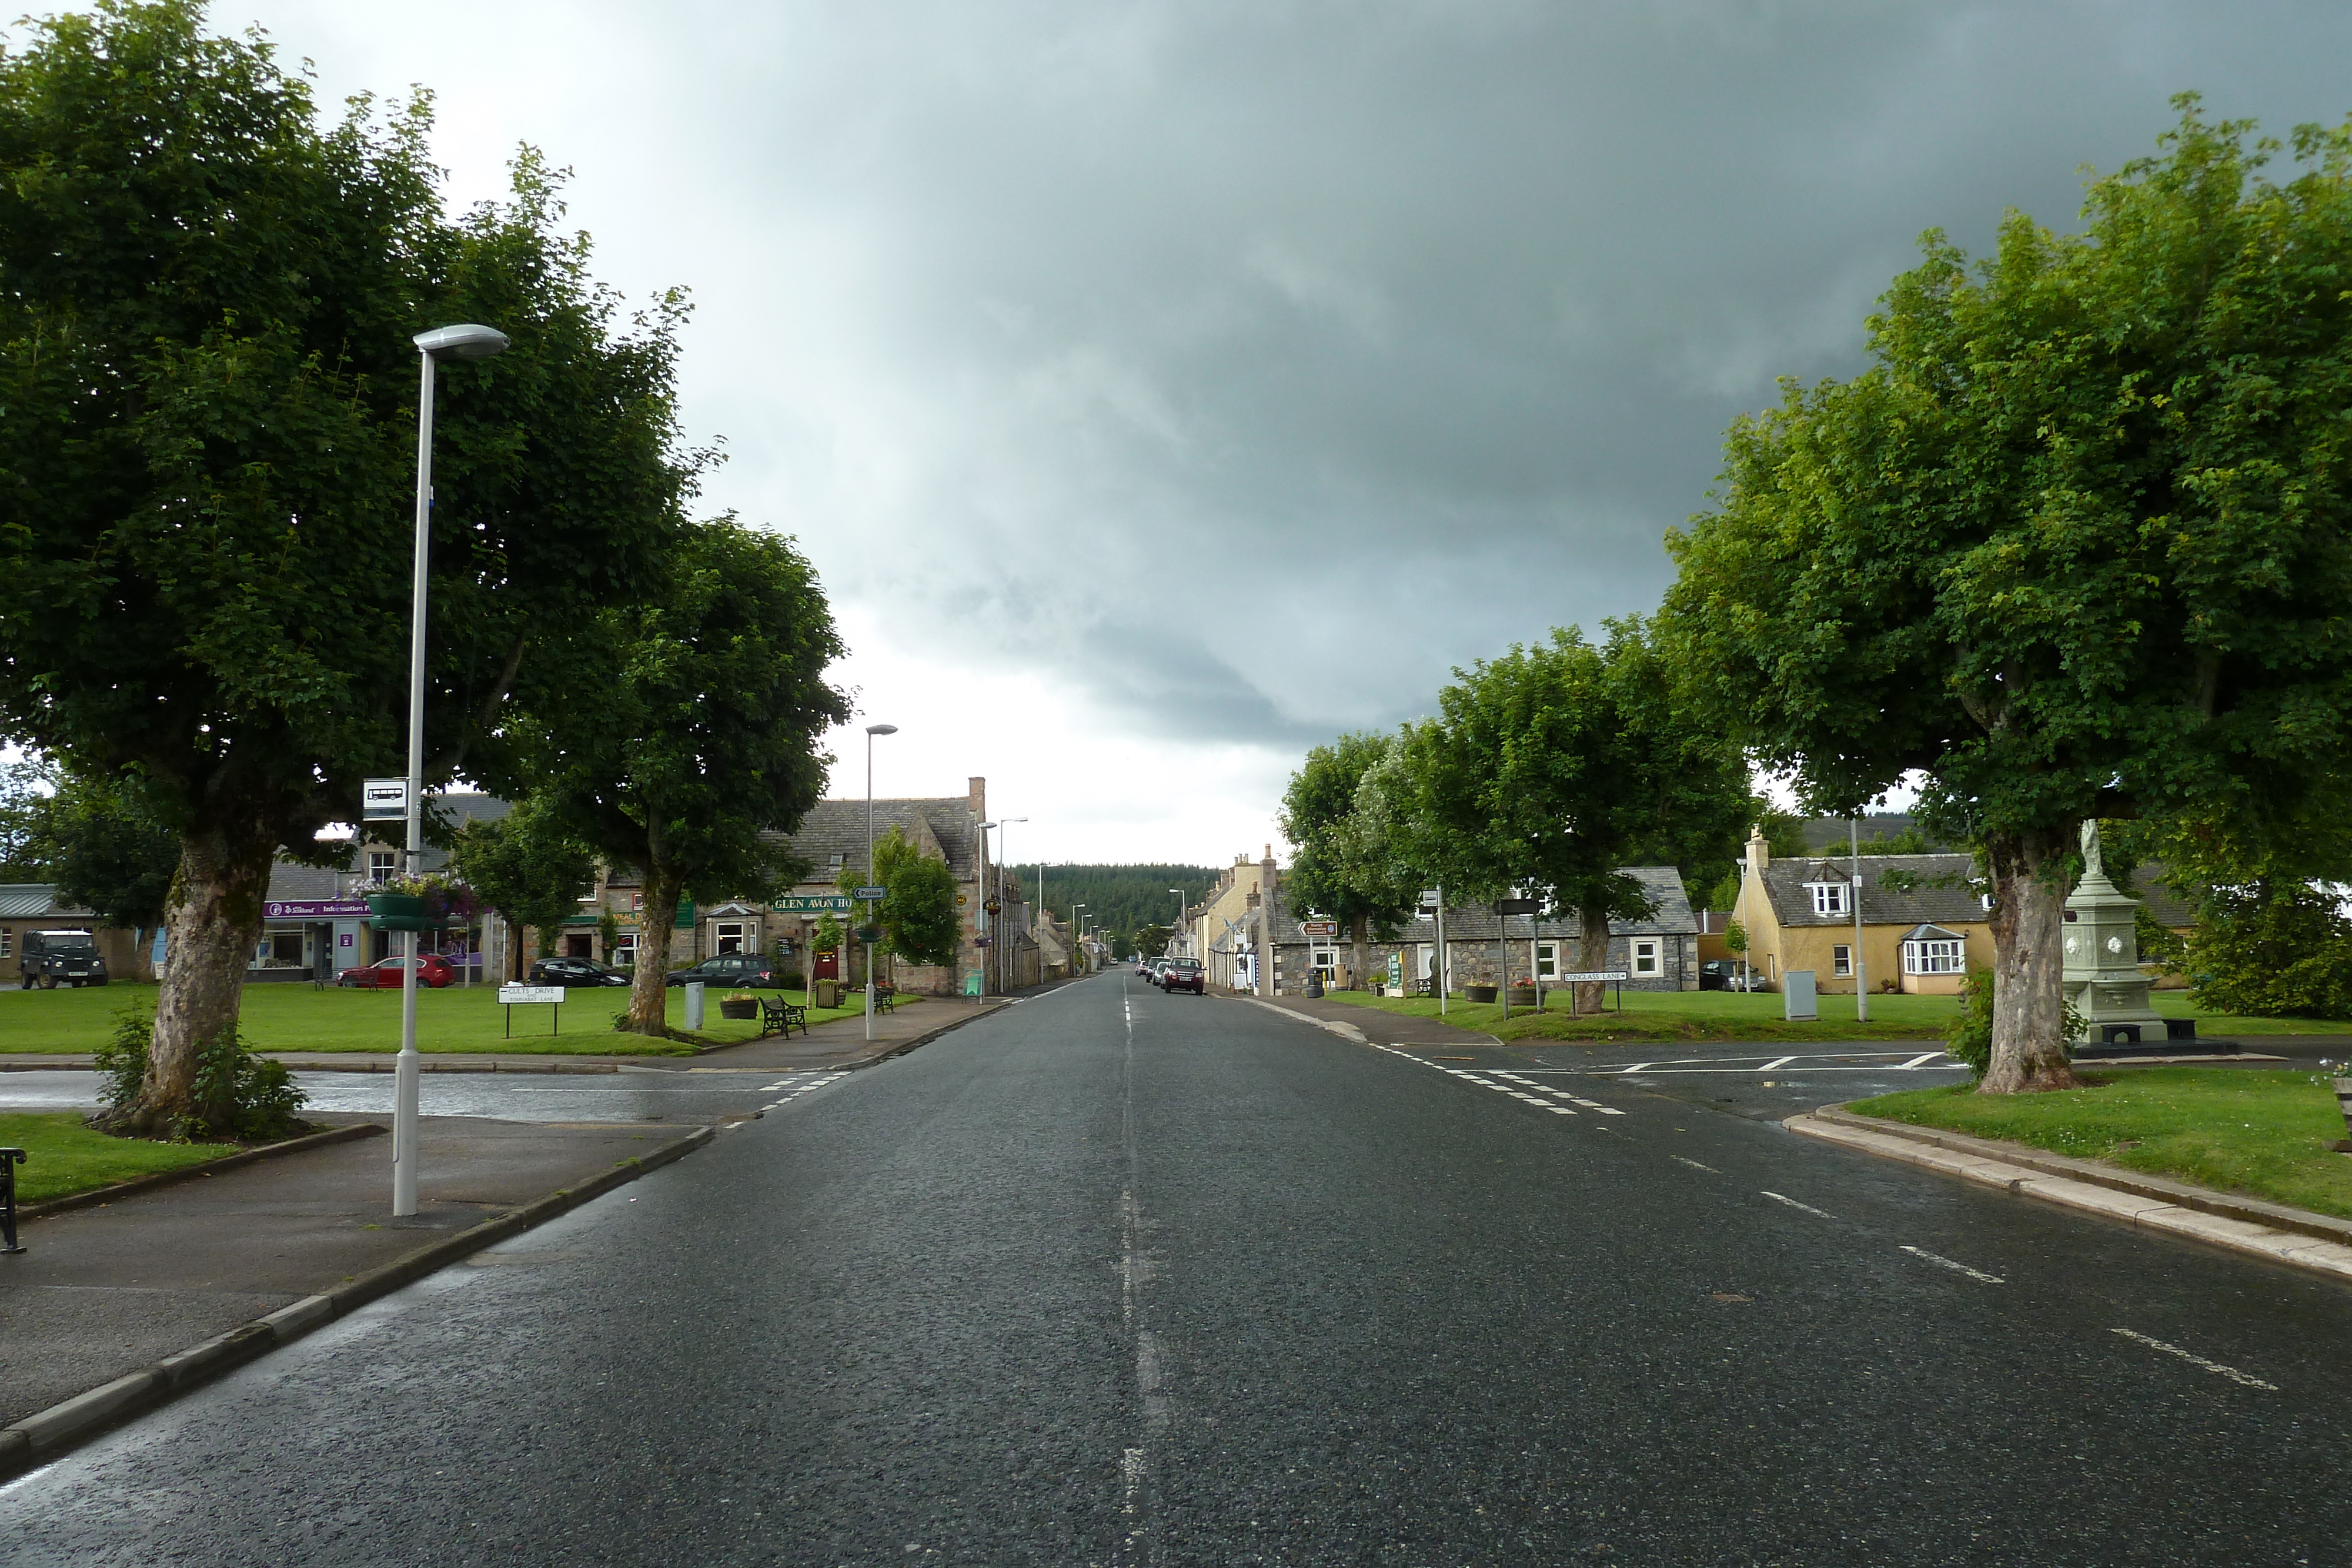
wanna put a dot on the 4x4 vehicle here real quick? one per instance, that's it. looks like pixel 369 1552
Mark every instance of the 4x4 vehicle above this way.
pixel 730 969
pixel 576 972
pixel 1183 974
pixel 71 957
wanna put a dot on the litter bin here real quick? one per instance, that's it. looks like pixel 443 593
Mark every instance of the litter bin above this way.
pixel 828 993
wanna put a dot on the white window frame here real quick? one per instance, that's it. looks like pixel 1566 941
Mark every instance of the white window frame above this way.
pixel 1829 897
pixel 1841 960
pixel 1645 958
pixel 624 955
pixel 383 864
pixel 1546 960
pixel 1935 955
pixel 723 931
pixel 8 941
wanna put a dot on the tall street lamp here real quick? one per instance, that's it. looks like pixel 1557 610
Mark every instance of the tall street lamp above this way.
pixel 466 342
pixel 1180 915
pixel 871 731
pixel 1077 935
pixel 987 925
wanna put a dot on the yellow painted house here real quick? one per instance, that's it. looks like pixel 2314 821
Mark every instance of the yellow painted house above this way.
pixel 1924 924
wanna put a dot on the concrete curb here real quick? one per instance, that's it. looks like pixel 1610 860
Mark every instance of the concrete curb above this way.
pixel 901 1047
pixel 46 1434
pixel 104 1195
pixel 2277 1233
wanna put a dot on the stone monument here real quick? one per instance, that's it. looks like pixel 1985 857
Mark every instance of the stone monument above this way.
pixel 2101 980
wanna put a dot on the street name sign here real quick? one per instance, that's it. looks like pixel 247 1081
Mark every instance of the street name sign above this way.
pixel 383 799
pixel 514 996
pixel 811 903
pixel 873 893
pixel 1592 975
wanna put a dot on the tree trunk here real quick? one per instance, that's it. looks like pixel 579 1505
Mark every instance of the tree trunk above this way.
pixel 649 988
pixel 212 922
pixel 1362 980
pixel 2029 1045
pixel 1591 953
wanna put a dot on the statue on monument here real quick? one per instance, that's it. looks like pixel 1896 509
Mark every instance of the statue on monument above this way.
pixel 2092 864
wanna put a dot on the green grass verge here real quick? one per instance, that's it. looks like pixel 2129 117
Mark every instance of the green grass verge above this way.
pixel 2233 1129
pixel 63 1157
pixel 458 1019
pixel 1745 1016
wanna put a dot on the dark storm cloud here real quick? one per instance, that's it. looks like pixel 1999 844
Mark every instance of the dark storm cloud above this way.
pixel 1253 365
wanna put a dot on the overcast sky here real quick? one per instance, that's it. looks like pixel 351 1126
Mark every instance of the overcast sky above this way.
pixel 1161 389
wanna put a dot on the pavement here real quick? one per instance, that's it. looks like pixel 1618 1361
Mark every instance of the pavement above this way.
pixel 1114 1277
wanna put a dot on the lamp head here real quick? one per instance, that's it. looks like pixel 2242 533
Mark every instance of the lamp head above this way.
pixel 466 342
pixel 881 729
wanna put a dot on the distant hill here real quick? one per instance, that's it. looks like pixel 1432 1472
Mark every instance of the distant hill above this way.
pixel 1827 835
pixel 1119 898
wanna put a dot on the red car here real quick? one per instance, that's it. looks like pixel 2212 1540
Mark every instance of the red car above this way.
pixel 436 971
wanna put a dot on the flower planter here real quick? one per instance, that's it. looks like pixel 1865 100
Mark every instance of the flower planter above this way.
pixel 750 1010
pixel 1478 993
pixel 399 911
pixel 2344 1103
pixel 1523 996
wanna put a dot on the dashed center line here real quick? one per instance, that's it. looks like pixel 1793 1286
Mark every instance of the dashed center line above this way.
pixel 1694 1165
pixel 1976 1274
pixel 1793 1203
pixel 2215 1367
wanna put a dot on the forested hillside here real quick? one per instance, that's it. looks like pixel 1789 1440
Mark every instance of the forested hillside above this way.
pixel 1119 898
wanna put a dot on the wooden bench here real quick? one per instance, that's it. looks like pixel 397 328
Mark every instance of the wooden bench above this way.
pixel 885 997
pixel 781 1017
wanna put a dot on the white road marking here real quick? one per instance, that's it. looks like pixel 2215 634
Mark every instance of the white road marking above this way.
pixel 1921 1061
pixel 1793 1203
pixel 1781 1061
pixel 1976 1274
pixel 1694 1165
pixel 2231 1373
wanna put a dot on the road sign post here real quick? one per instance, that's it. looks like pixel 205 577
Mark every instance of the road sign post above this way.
pixel 1605 977
pixel 513 996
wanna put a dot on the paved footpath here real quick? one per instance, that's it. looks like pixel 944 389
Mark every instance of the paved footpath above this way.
pixel 1114 1277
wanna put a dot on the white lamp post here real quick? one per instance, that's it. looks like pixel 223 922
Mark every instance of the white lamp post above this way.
pixel 1180 918
pixel 1078 937
pixel 987 927
pixel 442 343
pixel 871 731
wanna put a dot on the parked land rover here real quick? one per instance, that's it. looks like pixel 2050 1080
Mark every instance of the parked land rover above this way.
pixel 50 957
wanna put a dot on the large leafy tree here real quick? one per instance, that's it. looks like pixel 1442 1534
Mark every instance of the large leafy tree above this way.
pixel 1332 873
pixel 2075 546
pixel 526 865
pixel 689 744
pixel 207 418
pixel 1553 767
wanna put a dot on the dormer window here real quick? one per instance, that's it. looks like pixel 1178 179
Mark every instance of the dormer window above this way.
pixel 1829 897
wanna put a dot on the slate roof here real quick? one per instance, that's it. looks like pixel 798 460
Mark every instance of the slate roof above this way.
pixel 838 827
pixel 36 901
pixel 1926 902
pixel 289 883
pixel 2164 902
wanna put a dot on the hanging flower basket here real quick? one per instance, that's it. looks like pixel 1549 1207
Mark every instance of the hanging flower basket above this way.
pixel 399 911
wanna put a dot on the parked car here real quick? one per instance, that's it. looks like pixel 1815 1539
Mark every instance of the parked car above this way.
pixel 1184 974
pixel 432 970
pixel 70 956
pixel 747 969
pixel 576 972
pixel 1724 974
pixel 1151 971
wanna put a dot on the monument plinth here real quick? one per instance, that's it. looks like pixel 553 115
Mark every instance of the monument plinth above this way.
pixel 2101 980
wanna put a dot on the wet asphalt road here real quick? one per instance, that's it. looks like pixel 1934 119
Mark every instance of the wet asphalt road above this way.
pixel 1114 1277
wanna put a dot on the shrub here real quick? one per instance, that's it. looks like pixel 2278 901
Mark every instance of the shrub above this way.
pixel 1968 1038
pixel 2271 951
pixel 238 1094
